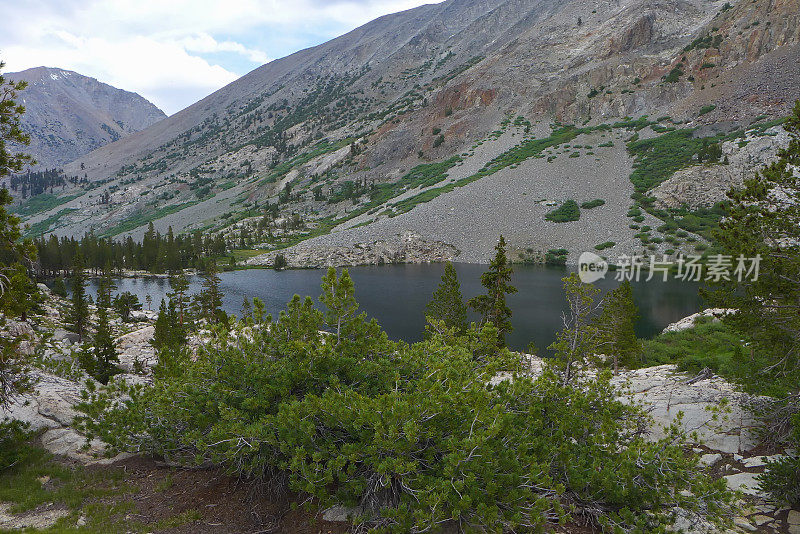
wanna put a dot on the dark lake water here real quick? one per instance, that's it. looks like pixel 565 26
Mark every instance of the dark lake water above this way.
pixel 396 296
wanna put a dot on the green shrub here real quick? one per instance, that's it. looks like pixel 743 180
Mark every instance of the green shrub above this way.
pixel 557 257
pixel 13 438
pixel 781 480
pixel 568 211
pixel 707 109
pixel 674 75
pixel 593 203
pixel 279 263
pixel 416 435
pixel 603 246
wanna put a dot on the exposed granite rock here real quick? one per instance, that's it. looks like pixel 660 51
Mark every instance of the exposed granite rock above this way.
pixel 690 321
pixel 705 185
pixel 407 247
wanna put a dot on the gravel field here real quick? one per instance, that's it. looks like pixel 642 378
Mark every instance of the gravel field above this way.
pixel 514 202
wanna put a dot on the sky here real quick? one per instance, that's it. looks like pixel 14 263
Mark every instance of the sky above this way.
pixel 174 52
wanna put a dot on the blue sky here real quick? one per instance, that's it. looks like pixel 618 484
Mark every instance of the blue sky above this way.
pixel 174 52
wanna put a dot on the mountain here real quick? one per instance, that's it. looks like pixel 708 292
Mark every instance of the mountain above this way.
pixel 451 123
pixel 68 115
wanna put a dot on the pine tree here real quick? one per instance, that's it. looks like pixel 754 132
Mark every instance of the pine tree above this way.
pixel 247 308
pixel 492 306
pixel 10 129
pixel 169 339
pixel 101 362
pixel 14 377
pixel 447 304
pixel 79 312
pixel 19 293
pixel 180 296
pixel 259 312
pixel 764 220
pixel 125 303
pixel 616 325
pixel 338 296
pixel 210 298
pixel 59 287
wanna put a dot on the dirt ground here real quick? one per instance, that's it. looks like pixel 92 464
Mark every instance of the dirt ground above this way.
pixel 219 503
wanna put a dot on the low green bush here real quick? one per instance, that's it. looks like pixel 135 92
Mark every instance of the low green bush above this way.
pixel 593 203
pixel 568 211
pixel 13 437
pixel 417 436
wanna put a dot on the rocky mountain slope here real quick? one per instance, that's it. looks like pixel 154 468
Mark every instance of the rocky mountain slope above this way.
pixel 68 115
pixel 461 120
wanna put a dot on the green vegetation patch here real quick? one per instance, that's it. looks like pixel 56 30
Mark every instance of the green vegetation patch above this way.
pixel 41 203
pixel 144 217
pixel 717 346
pixel 566 212
pixel 44 226
pixel 324 147
pixel 707 109
pixel 593 204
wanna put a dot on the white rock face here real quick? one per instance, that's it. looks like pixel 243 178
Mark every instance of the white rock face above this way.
pixel 665 393
pixel 135 346
pixel 690 321
pixel 745 482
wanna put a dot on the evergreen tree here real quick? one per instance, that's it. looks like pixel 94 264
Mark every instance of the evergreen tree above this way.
pixel 125 303
pixel 59 287
pixel 338 296
pixel 180 294
pixel 497 280
pixel 616 325
pixel 162 331
pixel 210 298
pixel 259 312
pixel 19 293
pixel 10 129
pixel 101 362
pixel 447 304
pixel 247 308
pixel 764 220
pixel 79 312
pixel 15 253
pixel 169 339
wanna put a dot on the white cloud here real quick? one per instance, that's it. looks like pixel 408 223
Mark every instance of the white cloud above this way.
pixel 204 43
pixel 174 52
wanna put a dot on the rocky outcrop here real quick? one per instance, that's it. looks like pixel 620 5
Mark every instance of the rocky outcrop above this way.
pixel 686 323
pixel 638 34
pixel 407 247
pixel 50 407
pixel 704 185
